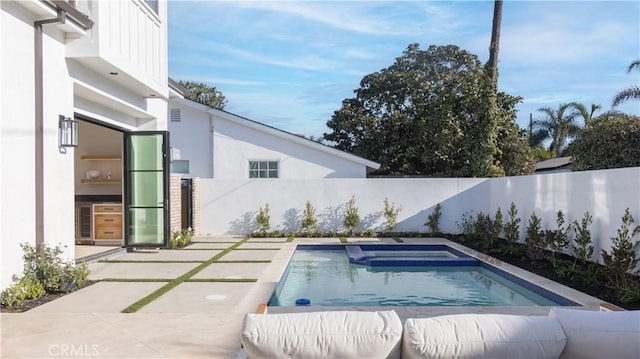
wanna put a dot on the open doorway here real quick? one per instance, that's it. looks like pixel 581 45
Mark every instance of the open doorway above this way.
pixel 99 185
pixel 121 186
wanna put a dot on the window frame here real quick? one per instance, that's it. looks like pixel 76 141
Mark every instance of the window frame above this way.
pixel 266 169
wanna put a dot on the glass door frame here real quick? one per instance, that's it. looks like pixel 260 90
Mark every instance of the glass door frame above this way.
pixel 127 193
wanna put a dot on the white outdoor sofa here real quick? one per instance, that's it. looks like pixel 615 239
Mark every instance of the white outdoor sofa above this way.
pixel 564 333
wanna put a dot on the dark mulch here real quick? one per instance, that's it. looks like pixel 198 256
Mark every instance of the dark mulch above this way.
pixel 48 297
pixel 545 269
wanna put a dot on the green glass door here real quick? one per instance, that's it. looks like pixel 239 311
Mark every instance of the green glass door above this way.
pixel 146 189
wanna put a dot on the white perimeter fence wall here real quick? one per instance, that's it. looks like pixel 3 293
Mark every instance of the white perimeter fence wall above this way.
pixel 230 206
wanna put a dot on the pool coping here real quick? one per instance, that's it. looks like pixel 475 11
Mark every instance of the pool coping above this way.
pixel 268 281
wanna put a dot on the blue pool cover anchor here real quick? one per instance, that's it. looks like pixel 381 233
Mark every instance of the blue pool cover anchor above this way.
pixel 303 301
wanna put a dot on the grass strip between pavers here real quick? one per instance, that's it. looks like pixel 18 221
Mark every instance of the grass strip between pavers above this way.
pixel 223 280
pixel 200 249
pixel 136 280
pixel 149 261
pixel 174 283
pixel 245 261
pixel 398 240
pixel 258 249
pixel 194 242
pixel 270 242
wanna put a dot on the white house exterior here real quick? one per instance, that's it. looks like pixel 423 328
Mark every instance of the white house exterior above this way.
pixel 218 144
pixel 104 64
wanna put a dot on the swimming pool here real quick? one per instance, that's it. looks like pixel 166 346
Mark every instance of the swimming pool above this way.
pixel 401 275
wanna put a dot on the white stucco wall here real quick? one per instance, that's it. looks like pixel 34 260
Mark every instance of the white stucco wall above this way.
pixel 17 186
pixel 192 136
pixel 230 206
pixel 605 194
pixel 235 145
pixel 225 153
pixel 70 86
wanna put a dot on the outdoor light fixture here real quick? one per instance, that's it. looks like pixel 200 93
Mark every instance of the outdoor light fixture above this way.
pixel 67 132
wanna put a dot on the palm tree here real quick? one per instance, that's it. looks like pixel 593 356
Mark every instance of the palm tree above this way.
pixel 495 42
pixel 559 125
pixel 632 93
pixel 586 115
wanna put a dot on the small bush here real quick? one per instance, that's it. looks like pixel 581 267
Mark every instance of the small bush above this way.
pixel 44 272
pixel 622 259
pixel 264 219
pixel 433 220
pixel 181 238
pixel 489 229
pixel 309 222
pixel 534 240
pixel 583 248
pixel 351 216
pixel 467 224
pixel 390 215
pixel 511 230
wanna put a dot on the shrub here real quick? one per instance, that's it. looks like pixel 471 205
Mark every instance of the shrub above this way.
pixel 181 238
pixel 309 222
pixel 263 219
pixel 433 220
pixel 351 216
pixel 488 229
pixel 622 258
pixel 558 239
pixel 583 248
pixel 467 224
pixel 43 264
pixel 511 230
pixel 534 240
pixel 44 272
pixel 390 215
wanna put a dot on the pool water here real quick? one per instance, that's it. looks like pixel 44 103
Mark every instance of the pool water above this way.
pixel 326 278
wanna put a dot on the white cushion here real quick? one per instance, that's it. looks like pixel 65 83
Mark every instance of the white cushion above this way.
pixel 336 334
pixel 593 334
pixel 482 336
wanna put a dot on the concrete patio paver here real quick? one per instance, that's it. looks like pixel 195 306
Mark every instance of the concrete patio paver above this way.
pixel 199 297
pixel 110 297
pixel 208 245
pixel 168 254
pixel 239 255
pixel 218 239
pixel 232 271
pixel 139 270
pixel 253 245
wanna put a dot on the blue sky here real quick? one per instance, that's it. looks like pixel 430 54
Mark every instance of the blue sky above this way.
pixel 289 64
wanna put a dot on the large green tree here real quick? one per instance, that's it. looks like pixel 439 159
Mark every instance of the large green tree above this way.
pixel 559 125
pixel 609 141
pixel 204 94
pixel 632 93
pixel 433 112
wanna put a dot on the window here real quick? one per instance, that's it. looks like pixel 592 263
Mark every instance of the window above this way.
pixel 263 169
pixel 180 166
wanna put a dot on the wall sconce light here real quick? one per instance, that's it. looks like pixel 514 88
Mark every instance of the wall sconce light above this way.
pixel 67 132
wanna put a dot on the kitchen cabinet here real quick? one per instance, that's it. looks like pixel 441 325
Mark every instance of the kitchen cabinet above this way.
pixel 106 178
pixel 107 223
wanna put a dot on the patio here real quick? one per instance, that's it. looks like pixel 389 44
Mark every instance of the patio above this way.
pixel 200 317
